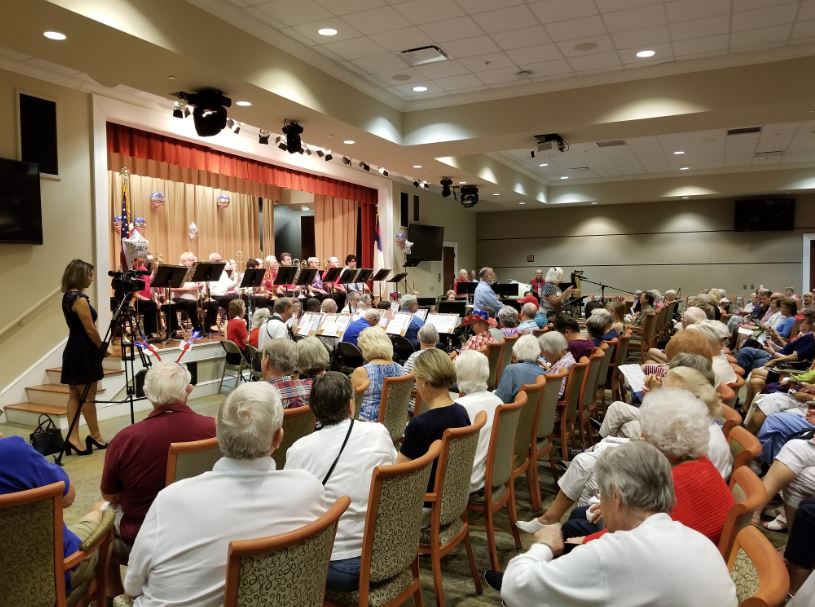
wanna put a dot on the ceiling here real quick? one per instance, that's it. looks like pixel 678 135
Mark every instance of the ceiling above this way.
pixel 495 44
pixel 719 64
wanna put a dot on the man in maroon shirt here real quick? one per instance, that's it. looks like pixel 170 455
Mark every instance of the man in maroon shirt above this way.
pixel 136 458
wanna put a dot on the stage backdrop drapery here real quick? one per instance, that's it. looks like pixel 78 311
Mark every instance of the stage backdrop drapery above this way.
pixel 335 227
pixel 226 231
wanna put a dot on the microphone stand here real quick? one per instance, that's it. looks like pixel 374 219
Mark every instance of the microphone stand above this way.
pixel 603 287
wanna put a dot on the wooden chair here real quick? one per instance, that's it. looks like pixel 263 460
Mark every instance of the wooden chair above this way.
pixel 744 447
pixel 567 407
pixel 493 354
pixel 506 356
pixel 732 418
pixel 231 348
pixel 393 405
pixel 498 469
pixel 526 440
pixel 297 423
pixel 644 336
pixel 546 425
pixel 448 514
pixel 286 569
pixel 586 406
pixel 620 358
pixel 359 393
pixel 185 460
pixel 750 495
pixel 32 565
pixel 389 564
pixel 757 570
pixel 604 375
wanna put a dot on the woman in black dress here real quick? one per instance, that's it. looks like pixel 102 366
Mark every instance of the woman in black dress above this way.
pixel 82 358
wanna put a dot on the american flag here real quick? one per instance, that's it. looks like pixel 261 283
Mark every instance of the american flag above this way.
pixel 125 208
pixel 379 257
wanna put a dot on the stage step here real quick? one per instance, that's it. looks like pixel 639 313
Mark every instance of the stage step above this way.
pixel 51 394
pixel 55 373
pixel 27 414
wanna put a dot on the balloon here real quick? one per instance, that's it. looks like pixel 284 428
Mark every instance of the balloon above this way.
pixel 140 223
pixel 134 246
pixel 223 201
pixel 401 239
pixel 117 224
pixel 408 247
pixel 192 231
pixel 156 200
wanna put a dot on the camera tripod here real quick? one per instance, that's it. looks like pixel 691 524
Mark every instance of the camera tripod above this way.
pixel 124 317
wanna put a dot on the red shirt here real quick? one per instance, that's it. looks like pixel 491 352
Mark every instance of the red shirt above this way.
pixel 702 499
pixel 236 331
pixel 253 336
pixel 146 292
pixel 136 459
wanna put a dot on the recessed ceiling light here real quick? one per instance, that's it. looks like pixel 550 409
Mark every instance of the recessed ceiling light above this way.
pixel 646 54
pixel 243 103
pixel 327 31
pixel 170 77
pixel 521 203
pixel 54 35
pixel 685 197
pixel 348 141
pixel 543 164
pixel 496 193
pixel 595 202
pixel 419 89
pixel 462 183
pixel 304 208
pixel 678 153
pixel 684 168
pixel 565 177
pixel 417 166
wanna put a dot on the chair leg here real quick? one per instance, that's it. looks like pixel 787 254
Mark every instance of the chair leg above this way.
pixel 513 515
pixel 489 525
pixel 438 580
pixel 221 385
pixel 534 483
pixel 473 568
pixel 552 463
pixel 418 600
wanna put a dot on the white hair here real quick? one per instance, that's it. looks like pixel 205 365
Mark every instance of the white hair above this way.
pixel 526 348
pixel 260 316
pixel 508 316
pixel 675 422
pixel 693 315
pixel 329 306
pixel 271 259
pixel 248 420
pixel 472 371
pixel 638 474
pixel 166 382
pixel 372 314
pixel 528 310
pixel 407 301
pixel 428 334
pixel 552 342
pixel 375 343
pixel 554 275
pixel 714 330
pixel 312 356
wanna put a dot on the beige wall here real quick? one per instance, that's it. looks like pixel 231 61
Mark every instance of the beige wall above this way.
pixel 27 272
pixel 686 244
pixel 459 227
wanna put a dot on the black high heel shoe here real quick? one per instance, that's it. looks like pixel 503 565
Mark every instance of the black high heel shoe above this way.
pixel 70 447
pixel 90 443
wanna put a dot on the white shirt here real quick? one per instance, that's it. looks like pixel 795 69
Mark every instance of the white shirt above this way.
pixel 179 556
pixel 369 446
pixel 659 563
pixel 223 285
pixel 722 370
pixel 188 296
pixel 718 451
pixel 274 328
pixel 474 403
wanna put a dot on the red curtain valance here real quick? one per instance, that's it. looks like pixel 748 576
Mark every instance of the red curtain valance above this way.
pixel 136 143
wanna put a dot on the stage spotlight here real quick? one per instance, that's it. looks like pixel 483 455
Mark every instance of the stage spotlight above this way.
pixel 469 196
pixel 383 171
pixel 425 185
pixel 263 136
pixel 415 183
pixel 181 109
pixel 320 153
pixel 292 130
pixel 329 156
pixel 446 182
pixel 210 110
pixel 233 126
pixel 307 151
pixel 532 153
pixel 281 143
pixel 364 166
pixel 346 160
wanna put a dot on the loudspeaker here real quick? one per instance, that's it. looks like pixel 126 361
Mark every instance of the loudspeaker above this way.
pixel 38 133
pixel 415 208
pixel 404 213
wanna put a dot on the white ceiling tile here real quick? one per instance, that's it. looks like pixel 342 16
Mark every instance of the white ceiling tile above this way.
pixel 293 13
pixel 552 11
pixel 427 11
pixel 699 46
pixel 304 40
pixel 480 6
pixel 490 61
pixel 502 76
pixel 764 17
pixel 602 44
pixel 606 6
pixel 804 29
pixel 635 18
pixel 807 10
pixel 355 48
pixel 457 83
pixel 506 19
pixel 647 35
pixel 700 28
pixel 746 5
pixel 548 68
pixel 535 54
pixel 594 62
pixel 471 47
pixel 686 10
pixel 576 28
pixel 442 69
pixel 346 7
pixel 377 64
pixel 760 37
pixel 309 31
pixel 402 40
pixel 528 36
pixel 452 29
pixel 377 20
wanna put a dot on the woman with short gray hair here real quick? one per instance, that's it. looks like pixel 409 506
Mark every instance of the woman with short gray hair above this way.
pixel 278 365
pixel 525 369
pixel 555 356
pixel 312 358
pixel 508 317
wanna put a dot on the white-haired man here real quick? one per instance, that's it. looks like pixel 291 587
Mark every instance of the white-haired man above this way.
pixel 180 554
pixel 525 370
pixel 409 305
pixel 369 318
pixel 223 289
pixel 136 458
pixel 527 323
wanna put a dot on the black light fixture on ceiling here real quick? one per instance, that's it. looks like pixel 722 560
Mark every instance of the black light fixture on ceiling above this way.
pixel 446 182
pixel 233 126
pixel 181 109
pixel 320 152
pixel 263 136
pixel 364 166
pixel 346 160
pixel 328 156
pixel 281 143
pixel 292 130
pixel 415 183
pixel 383 171
pixel 469 196
pixel 209 114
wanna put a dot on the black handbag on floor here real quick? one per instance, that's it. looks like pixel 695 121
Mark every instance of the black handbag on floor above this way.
pixel 47 438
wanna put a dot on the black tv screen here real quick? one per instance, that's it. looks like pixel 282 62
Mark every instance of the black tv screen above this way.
pixel 764 215
pixel 20 210
pixel 428 242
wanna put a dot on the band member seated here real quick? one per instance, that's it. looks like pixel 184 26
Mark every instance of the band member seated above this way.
pixel 360 287
pixel 144 303
pixel 260 298
pixel 223 290
pixel 317 287
pixel 185 298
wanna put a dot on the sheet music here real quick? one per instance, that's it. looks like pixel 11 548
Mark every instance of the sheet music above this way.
pixel 385 318
pixel 444 323
pixel 399 324
pixel 634 376
pixel 422 313
pixel 309 323
pixel 329 327
pixel 342 323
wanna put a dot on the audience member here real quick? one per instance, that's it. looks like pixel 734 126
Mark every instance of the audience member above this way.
pixel 260 316
pixel 525 369
pixel 508 317
pixel 377 351
pixel 275 327
pixel 578 345
pixel 599 326
pixel 555 355
pixel 312 358
pixel 480 322
pixel 528 324
pixel 428 338
pixel 278 365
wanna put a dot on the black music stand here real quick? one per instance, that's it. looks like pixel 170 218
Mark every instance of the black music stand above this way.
pixel 452 307
pixel 169 277
pixel 379 277
pixel 285 275
pixel 466 288
pixel 306 277
pixel 397 277
pixel 331 275
pixel 505 289
pixel 252 279
pixel 364 275
pixel 204 271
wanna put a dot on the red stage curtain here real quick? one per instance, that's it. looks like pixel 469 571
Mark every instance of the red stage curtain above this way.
pixel 130 142
pixel 368 234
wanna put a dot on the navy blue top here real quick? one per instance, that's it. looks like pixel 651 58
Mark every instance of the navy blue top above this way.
pixel 803 346
pixel 356 327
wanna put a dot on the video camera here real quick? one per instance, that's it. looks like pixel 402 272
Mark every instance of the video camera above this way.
pixel 125 283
